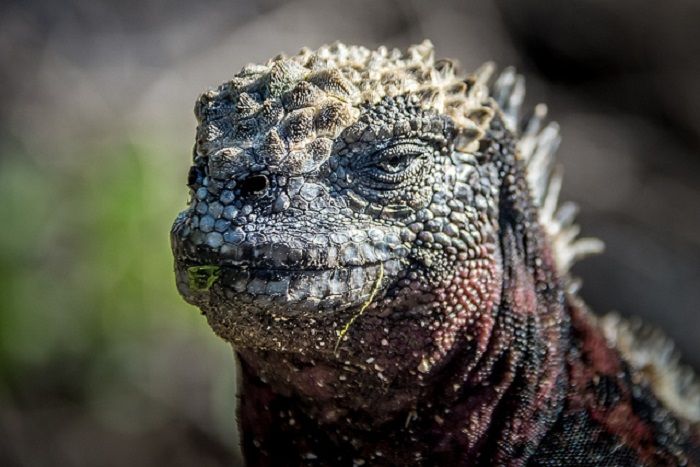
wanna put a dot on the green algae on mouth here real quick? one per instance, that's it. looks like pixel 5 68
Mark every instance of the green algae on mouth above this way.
pixel 375 289
pixel 201 278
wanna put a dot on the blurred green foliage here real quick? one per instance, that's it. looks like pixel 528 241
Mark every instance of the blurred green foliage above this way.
pixel 89 312
pixel 85 260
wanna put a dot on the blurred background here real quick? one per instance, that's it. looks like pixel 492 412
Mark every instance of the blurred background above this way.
pixel 101 363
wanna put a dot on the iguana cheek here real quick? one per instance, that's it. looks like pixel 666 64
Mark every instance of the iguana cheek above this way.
pixel 466 309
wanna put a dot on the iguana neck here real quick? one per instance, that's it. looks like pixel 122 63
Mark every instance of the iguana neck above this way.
pixel 492 401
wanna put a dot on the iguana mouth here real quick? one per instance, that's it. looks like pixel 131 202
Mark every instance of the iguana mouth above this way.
pixel 283 291
pixel 252 268
pixel 272 270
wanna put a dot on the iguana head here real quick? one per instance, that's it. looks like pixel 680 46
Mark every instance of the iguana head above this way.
pixel 345 206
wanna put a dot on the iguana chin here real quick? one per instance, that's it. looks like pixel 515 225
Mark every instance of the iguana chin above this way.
pixel 378 237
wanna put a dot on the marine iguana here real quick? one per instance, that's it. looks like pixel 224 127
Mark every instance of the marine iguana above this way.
pixel 378 236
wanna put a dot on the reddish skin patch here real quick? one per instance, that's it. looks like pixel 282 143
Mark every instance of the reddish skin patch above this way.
pixel 619 420
pixel 598 355
pixel 537 344
pixel 523 294
pixel 467 302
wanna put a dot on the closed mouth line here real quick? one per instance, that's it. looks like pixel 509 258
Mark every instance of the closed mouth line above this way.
pixel 245 266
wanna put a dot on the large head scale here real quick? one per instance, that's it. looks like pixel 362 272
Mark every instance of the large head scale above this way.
pixel 341 182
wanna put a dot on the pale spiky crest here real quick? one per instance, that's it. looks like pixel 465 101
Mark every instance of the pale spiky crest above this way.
pixel 655 357
pixel 320 93
pixel 537 144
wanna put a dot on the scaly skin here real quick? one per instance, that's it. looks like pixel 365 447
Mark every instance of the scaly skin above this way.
pixel 363 233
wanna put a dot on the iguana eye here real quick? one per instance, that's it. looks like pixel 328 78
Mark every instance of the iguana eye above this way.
pixel 395 164
pixel 394 174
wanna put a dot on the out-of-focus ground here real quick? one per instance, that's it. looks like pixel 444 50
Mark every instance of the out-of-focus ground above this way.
pixel 101 363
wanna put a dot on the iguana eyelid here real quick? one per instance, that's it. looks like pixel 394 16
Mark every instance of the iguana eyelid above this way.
pixel 380 170
pixel 407 151
pixel 396 163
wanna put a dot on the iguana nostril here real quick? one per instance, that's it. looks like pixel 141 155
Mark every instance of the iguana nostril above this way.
pixel 254 185
pixel 193 176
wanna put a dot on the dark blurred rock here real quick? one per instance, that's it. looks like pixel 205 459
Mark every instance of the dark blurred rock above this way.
pixel 639 55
